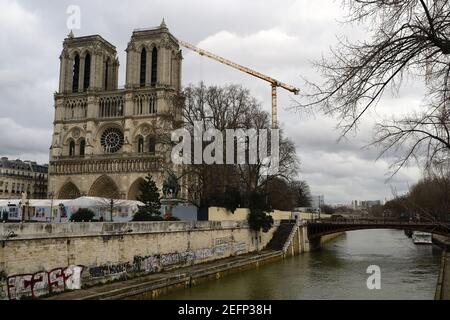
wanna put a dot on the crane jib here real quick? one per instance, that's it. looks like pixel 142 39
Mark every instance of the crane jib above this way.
pixel 274 83
pixel 239 67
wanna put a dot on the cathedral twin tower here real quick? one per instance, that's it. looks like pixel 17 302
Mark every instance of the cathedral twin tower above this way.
pixel 106 139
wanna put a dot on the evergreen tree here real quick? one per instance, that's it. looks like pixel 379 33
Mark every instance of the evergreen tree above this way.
pixel 232 199
pixel 258 219
pixel 82 215
pixel 149 195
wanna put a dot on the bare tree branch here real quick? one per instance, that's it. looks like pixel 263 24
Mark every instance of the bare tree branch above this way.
pixel 408 38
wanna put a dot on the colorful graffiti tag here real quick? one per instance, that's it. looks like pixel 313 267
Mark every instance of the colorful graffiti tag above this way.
pixel 60 279
pixel 41 283
pixel 158 262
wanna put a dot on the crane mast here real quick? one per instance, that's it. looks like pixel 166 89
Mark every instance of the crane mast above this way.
pixel 274 83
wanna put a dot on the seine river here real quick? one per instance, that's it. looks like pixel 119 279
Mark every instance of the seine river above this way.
pixel 337 271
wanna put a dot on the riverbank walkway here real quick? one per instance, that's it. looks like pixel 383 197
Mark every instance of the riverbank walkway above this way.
pixel 154 284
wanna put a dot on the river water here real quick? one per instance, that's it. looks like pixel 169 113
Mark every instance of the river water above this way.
pixel 337 271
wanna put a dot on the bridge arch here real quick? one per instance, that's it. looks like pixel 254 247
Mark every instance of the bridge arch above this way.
pixel 134 190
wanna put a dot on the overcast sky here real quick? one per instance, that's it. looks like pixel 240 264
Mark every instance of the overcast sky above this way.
pixel 278 38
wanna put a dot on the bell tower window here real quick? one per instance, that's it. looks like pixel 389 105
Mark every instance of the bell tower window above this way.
pixel 154 66
pixel 87 72
pixel 143 67
pixel 141 145
pixel 106 73
pixel 82 148
pixel 152 145
pixel 72 148
pixel 76 73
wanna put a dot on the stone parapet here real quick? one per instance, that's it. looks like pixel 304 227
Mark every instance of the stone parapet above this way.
pixel 30 231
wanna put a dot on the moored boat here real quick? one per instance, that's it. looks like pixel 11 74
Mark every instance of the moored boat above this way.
pixel 422 237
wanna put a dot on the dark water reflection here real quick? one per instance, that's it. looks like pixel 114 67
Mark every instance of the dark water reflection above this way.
pixel 338 271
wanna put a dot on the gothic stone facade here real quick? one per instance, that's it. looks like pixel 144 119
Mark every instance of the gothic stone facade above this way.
pixel 106 139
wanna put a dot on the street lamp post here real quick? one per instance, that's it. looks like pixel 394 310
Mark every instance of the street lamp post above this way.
pixel 27 206
pixel 51 194
pixel 24 204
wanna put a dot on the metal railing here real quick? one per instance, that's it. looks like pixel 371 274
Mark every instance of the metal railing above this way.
pixel 379 222
pixel 291 237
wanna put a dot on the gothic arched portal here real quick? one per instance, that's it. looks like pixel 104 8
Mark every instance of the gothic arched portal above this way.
pixel 134 190
pixel 69 191
pixel 104 187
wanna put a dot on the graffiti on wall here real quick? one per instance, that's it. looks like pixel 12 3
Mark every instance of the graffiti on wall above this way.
pixel 240 248
pixel 228 243
pixel 158 262
pixel 60 279
pixel 224 240
pixel 148 263
pixel 43 282
pixel 110 270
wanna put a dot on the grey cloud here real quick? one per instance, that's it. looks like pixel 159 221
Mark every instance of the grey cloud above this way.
pixel 27 143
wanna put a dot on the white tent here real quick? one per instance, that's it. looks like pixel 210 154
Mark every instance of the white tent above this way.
pixel 9 209
pixel 6 202
pixel 48 210
pixel 57 210
pixel 122 210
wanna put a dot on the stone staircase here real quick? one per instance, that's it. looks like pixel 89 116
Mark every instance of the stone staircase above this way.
pixel 281 236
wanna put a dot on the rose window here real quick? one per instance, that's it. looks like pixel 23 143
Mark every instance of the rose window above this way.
pixel 112 140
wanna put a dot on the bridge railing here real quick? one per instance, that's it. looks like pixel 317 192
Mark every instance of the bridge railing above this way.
pixel 379 222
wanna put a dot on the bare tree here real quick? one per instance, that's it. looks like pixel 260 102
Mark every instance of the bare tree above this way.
pixel 109 202
pixel 408 38
pixel 427 200
pixel 302 193
pixel 422 137
pixel 229 107
pixel 281 195
pixel 287 195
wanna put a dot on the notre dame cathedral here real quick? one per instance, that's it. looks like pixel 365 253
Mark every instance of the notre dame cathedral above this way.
pixel 106 139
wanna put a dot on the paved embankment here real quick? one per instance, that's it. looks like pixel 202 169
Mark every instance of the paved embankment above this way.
pixel 152 286
pixel 443 286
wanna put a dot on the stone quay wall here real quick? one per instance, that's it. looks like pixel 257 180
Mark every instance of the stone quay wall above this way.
pixel 42 259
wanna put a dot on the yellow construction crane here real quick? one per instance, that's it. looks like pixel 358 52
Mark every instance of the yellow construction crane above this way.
pixel 274 83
